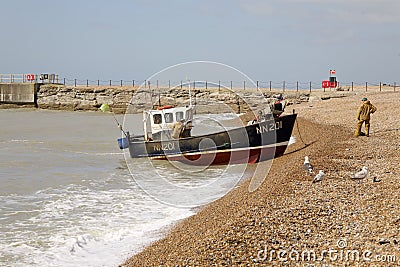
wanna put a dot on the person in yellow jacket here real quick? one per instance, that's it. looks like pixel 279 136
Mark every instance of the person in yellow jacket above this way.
pixel 363 115
pixel 177 129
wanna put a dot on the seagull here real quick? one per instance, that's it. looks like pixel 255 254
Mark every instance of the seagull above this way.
pixel 307 165
pixel 319 177
pixel 361 174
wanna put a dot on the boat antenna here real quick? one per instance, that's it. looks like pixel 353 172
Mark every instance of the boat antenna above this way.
pixel 190 95
pixel 151 93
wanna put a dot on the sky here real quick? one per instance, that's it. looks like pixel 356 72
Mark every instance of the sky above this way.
pixel 274 40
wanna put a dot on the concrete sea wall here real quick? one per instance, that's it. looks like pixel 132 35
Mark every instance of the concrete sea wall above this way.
pixel 18 93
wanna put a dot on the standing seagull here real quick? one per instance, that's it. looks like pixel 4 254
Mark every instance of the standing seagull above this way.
pixel 361 174
pixel 307 165
pixel 319 177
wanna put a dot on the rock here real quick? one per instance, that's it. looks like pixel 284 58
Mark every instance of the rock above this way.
pixel 384 241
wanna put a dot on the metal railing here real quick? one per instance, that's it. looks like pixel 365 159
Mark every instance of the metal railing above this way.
pixel 15 78
pixel 29 78
pixel 173 84
pixel 245 85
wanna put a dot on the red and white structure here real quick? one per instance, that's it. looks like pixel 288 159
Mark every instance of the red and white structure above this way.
pixel 332 82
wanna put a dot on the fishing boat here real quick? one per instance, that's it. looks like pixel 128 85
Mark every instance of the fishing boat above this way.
pixel 168 136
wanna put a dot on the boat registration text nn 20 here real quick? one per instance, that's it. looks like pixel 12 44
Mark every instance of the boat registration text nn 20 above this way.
pixel 165 146
pixel 269 127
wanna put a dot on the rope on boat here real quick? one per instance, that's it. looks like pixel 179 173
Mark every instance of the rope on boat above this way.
pixel 298 129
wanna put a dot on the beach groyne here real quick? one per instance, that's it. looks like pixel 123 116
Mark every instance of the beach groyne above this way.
pixel 63 97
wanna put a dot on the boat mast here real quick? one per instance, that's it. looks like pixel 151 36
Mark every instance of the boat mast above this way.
pixel 151 94
pixel 146 136
pixel 190 95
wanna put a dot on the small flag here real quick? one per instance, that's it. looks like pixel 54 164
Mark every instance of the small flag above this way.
pixel 105 107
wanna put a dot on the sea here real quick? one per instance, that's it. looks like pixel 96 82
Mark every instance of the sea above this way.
pixel 70 197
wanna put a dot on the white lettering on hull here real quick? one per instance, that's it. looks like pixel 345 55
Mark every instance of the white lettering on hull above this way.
pixel 269 127
pixel 165 146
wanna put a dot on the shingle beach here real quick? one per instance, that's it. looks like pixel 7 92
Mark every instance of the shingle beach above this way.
pixel 290 221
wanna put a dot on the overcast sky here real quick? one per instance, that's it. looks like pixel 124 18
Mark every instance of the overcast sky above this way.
pixel 292 40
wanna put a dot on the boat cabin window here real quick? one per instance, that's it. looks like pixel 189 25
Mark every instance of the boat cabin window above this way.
pixel 179 116
pixel 169 118
pixel 157 119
